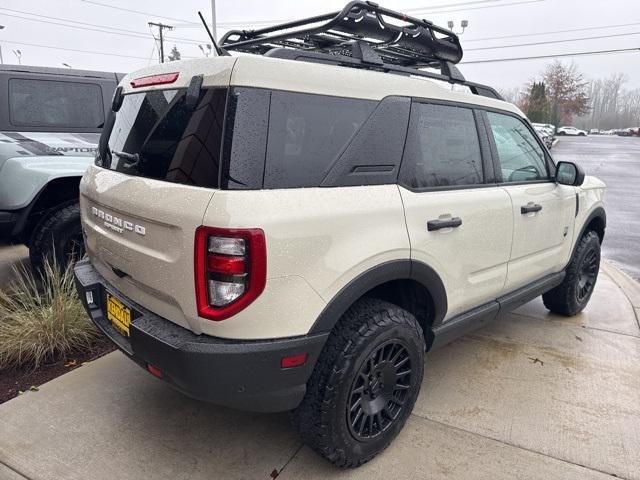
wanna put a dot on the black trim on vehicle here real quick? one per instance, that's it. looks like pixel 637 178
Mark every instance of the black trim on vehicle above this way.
pixel 386 272
pixel 597 212
pixel 525 294
pixel 463 324
pixel 374 154
pixel 240 374
pixel 480 316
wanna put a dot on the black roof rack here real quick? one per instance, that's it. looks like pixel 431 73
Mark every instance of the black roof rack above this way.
pixel 362 35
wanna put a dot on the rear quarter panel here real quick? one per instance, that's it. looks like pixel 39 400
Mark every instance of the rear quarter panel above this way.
pixel 318 240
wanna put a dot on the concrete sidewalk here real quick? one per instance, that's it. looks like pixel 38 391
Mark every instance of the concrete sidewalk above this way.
pixel 531 396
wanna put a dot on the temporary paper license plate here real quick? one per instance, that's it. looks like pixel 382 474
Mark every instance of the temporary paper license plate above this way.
pixel 118 314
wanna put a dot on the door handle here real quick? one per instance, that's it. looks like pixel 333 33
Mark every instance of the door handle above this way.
pixel 454 222
pixel 530 208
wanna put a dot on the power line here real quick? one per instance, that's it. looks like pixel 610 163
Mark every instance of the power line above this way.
pixel 478 8
pixel 547 42
pixel 602 27
pixel 461 4
pixel 73 50
pixel 93 52
pixel 560 55
pixel 106 5
pixel 105 28
pixel 426 9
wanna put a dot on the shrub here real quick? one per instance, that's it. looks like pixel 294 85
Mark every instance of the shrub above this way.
pixel 42 318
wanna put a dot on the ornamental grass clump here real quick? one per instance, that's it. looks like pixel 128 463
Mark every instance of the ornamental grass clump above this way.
pixel 42 319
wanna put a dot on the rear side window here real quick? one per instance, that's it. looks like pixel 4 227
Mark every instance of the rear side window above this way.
pixel 307 133
pixel 442 148
pixel 155 135
pixel 50 103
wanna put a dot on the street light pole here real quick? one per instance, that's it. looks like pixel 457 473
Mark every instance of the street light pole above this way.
pixel 214 31
pixel 1 60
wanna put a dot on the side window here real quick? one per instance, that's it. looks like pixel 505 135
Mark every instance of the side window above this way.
pixel 521 157
pixel 442 148
pixel 306 135
pixel 49 103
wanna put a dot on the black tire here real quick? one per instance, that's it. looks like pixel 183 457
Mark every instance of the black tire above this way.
pixel 573 294
pixel 561 134
pixel 372 343
pixel 58 236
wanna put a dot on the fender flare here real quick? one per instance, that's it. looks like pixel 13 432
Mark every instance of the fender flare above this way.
pixel 375 276
pixel 21 223
pixel 597 212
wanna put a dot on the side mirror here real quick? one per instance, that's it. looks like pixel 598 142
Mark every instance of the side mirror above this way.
pixel 568 173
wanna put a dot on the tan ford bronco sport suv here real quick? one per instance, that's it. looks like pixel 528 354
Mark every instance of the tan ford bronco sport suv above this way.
pixel 294 227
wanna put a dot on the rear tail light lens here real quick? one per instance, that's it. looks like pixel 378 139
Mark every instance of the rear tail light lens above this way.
pixel 230 270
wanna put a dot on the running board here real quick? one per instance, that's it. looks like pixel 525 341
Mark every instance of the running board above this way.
pixel 480 316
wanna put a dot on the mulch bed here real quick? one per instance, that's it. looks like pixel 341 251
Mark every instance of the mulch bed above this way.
pixel 14 380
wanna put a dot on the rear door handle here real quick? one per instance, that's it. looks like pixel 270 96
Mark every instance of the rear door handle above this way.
pixel 454 222
pixel 530 208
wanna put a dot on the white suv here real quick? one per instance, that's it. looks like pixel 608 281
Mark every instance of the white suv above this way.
pixel 576 132
pixel 293 230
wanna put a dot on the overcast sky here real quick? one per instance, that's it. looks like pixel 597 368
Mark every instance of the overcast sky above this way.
pixel 32 25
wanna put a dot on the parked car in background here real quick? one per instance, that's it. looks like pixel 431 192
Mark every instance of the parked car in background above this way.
pixel 571 131
pixel 544 134
pixel 50 123
pixel 551 128
pixel 594 131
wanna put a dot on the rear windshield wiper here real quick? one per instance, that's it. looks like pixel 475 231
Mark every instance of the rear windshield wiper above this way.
pixel 131 159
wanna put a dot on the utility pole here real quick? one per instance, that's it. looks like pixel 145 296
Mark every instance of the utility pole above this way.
pixel 161 28
pixel 213 20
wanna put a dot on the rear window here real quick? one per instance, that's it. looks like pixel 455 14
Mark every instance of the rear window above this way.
pixel 155 135
pixel 307 133
pixel 50 103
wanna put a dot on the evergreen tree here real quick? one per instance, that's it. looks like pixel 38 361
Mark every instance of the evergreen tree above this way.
pixel 537 104
pixel 174 55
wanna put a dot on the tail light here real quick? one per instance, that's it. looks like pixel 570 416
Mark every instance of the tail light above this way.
pixel 162 79
pixel 230 270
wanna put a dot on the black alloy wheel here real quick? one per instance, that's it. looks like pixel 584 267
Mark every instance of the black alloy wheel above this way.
pixel 587 275
pixel 379 391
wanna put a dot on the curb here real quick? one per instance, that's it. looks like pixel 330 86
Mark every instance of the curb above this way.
pixel 628 285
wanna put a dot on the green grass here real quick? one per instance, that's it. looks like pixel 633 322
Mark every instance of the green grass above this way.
pixel 42 319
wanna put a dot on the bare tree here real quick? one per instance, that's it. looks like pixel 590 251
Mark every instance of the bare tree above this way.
pixel 566 91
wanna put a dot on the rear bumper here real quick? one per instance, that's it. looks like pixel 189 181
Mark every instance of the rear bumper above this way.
pixel 240 374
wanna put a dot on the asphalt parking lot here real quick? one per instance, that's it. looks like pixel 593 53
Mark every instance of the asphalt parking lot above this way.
pixel 616 161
